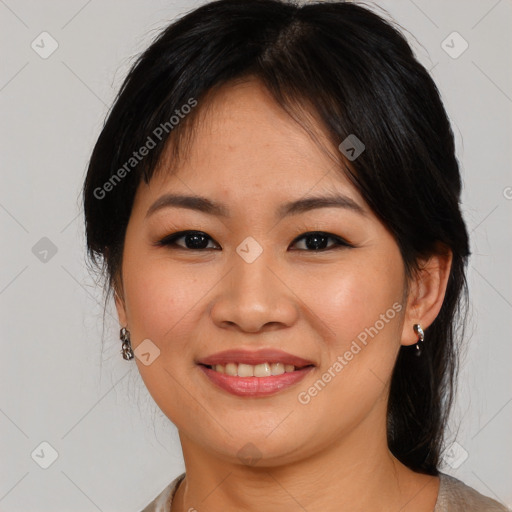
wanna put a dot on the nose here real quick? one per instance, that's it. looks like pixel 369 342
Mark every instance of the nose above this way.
pixel 254 297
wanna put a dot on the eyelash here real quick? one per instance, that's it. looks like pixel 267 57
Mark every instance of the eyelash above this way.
pixel 170 240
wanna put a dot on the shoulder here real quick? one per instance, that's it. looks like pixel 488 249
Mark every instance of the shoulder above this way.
pixel 162 503
pixel 456 496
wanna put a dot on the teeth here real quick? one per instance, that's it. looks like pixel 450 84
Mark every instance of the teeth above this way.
pixel 262 370
pixel 231 369
pixel 277 368
pixel 258 370
pixel 245 370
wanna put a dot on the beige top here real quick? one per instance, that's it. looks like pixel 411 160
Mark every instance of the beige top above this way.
pixel 454 496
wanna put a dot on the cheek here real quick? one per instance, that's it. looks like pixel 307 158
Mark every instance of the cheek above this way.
pixel 163 302
pixel 355 298
pixel 161 298
pixel 361 304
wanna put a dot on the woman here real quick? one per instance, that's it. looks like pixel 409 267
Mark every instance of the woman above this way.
pixel 274 199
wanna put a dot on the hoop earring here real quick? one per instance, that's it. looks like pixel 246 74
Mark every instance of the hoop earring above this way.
pixel 124 335
pixel 421 337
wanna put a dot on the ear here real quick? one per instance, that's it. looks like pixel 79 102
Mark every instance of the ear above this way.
pixel 426 293
pixel 120 303
pixel 121 310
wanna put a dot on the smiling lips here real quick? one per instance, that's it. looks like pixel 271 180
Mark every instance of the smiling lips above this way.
pixel 254 373
pixel 254 357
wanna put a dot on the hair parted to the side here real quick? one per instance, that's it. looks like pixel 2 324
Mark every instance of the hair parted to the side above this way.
pixel 356 74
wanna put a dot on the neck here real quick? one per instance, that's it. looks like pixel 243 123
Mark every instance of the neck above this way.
pixel 358 473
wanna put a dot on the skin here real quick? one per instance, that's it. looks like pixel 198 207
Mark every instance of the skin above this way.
pixel 330 454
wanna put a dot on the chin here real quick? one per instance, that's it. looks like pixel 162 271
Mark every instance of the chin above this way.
pixel 258 449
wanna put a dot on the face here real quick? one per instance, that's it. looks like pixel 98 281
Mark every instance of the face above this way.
pixel 319 281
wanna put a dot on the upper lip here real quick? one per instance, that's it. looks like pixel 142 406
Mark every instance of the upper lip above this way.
pixel 254 357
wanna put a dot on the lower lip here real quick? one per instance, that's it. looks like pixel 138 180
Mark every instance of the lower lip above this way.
pixel 255 386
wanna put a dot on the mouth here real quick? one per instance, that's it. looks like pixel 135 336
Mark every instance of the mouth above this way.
pixel 261 370
pixel 254 373
pixel 262 361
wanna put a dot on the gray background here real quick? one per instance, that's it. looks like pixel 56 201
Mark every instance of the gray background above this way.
pixel 61 385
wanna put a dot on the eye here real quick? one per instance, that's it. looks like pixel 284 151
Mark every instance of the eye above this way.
pixel 316 241
pixel 193 240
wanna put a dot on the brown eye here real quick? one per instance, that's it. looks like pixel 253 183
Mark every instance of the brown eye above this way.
pixel 192 240
pixel 317 241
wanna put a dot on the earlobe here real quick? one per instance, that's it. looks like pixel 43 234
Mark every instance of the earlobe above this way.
pixel 121 310
pixel 427 292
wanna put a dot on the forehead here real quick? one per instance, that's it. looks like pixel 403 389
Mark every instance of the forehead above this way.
pixel 245 147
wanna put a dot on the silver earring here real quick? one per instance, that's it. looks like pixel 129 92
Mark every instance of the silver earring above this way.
pixel 421 336
pixel 127 351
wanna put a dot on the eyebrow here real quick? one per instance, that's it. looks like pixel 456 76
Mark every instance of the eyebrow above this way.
pixel 202 204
